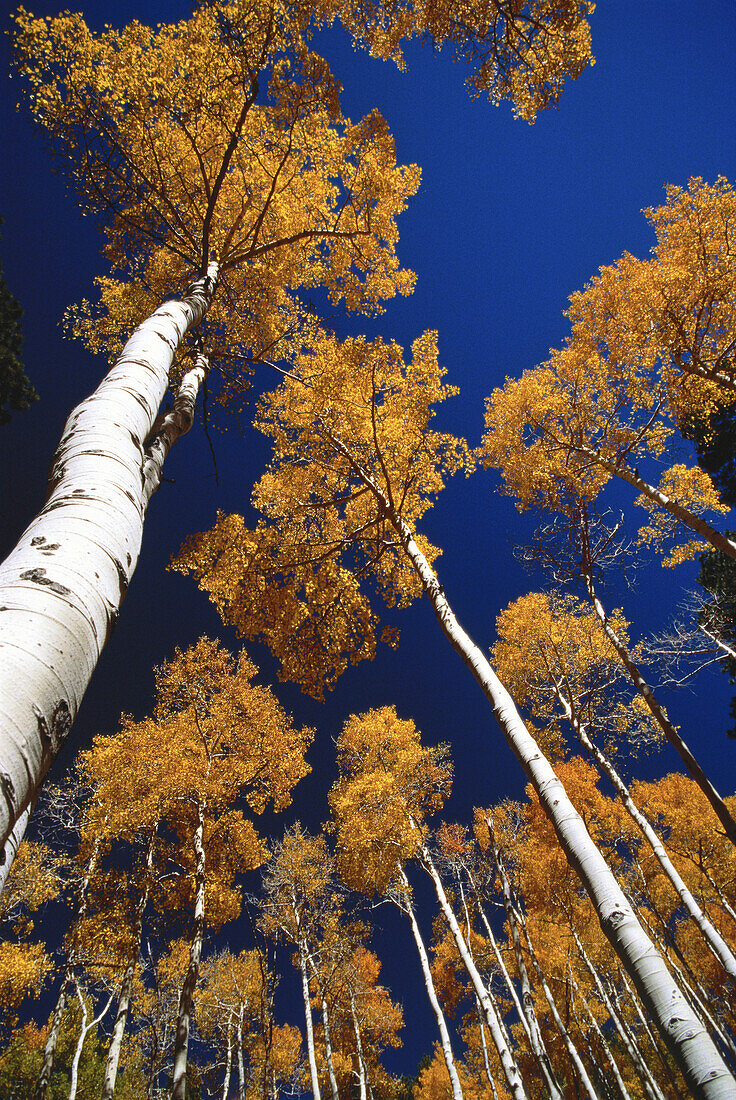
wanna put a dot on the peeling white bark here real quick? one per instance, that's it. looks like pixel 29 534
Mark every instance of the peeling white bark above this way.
pixel 62 585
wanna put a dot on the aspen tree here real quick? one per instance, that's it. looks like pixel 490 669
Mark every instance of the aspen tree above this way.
pixel 388 784
pixel 651 348
pixel 325 500
pixel 295 883
pixel 214 737
pixel 565 664
pixel 196 183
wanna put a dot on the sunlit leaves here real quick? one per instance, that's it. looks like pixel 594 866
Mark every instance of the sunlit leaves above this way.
pixel 350 427
pixel 389 783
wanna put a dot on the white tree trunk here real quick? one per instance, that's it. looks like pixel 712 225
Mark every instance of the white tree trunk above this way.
pixel 712 937
pixel 228 1060
pixel 84 1031
pixel 484 1048
pixel 703 1068
pixel 567 1038
pixel 623 1091
pixel 362 1075
pixel 328 1050
pixel 408 908
pixel 126 986
pixel 241 1065
pixel 62 585
pixel 660 716
pixel 689 1043
pixel 186 997
pixel 533 1030
pixel 49 1053
pixel 311 1055
pixel 631 1046
pixel 508 1064
pixel 684 515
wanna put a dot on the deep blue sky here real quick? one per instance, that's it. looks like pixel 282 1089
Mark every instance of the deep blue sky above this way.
pixel 510 219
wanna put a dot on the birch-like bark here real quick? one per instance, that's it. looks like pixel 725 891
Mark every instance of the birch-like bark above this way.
pixel 702 1066
pixel 362 1075
pixel 565 1035
pixel 126 987
pixel 527 1000
pixel 311 1055
pixel 84 1031
pixel 408 908
pixel 228 1060
pixel 660 716
pixel 710 934
pixel 49 1052
pixel 241 1064
pixel 501 964
pixel 484 1048
pixel 10 851
pixel 62 586
pixel 684 515
pixel 630 1045
pixel 510 1069
pixel 656 1046
pixel 186 997
pixel 623 1091
pixel 692 1048
pixel 328 1050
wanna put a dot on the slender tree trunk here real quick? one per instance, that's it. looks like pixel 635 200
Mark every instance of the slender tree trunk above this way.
pixel 84 1031
pixel 328 1050
pixel 49 1053
pixel 186 998
pixel 502 965
pixel 408 908
pixel 684 515
pixel 660 716
pixel 362 1075
pixel 712 937
pixel 314 1077
pixel 656 1046
pixel 565 1035
pixel 228 1060
pixel 630 1044
pixel 62 586
pixel 241 1066
pixel 484 1048
pixel 126 987
pixel 508 1064
pixel 535 1034
pixel 701 1064
pixel 623 1092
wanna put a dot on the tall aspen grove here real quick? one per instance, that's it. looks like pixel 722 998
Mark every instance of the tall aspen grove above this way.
pixel 368 564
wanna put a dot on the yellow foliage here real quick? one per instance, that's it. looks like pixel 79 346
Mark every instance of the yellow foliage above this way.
pixel 690 487
pixel 221 135
pixel 650 350
pixel 24 968
pixel 554 642
pixel 389 783
pixel 350 430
